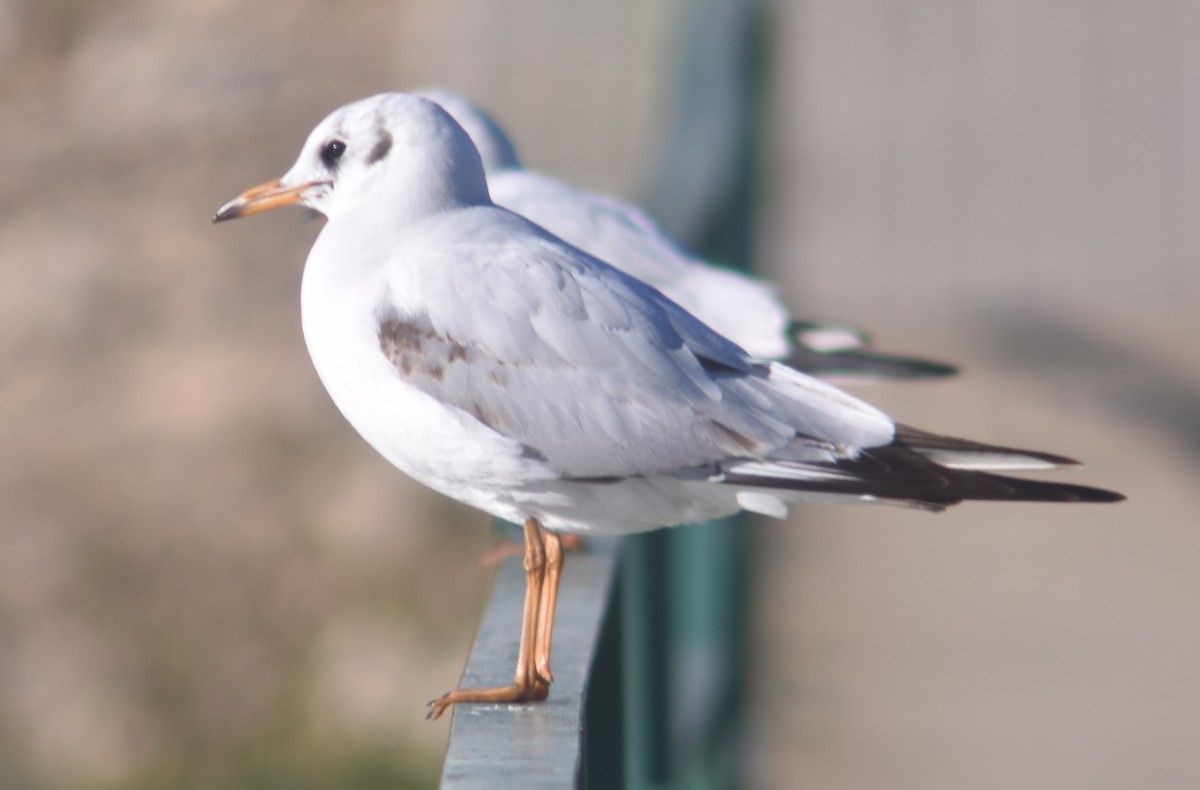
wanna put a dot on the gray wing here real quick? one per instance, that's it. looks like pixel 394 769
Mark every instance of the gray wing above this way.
pixel 744 308
pixel 596 372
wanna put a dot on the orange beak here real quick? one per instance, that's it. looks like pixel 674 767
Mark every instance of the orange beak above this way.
pixel 261 198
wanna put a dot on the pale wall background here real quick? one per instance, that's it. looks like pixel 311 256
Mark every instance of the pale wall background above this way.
pixel 1014 186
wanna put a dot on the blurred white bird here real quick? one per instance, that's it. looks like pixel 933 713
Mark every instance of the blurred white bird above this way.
pixel 493 362
pixel 743 308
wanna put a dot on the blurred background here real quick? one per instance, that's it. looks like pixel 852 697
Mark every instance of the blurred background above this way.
pixel 207 580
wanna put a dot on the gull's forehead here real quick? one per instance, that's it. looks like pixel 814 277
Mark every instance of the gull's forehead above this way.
pixel 396 113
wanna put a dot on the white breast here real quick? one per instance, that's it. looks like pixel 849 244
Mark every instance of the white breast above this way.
pixel 440 447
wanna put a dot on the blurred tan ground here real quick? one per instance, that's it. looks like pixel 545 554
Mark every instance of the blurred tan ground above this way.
pixel 207 580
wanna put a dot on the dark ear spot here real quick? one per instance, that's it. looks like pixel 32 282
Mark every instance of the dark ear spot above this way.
pixel 382 146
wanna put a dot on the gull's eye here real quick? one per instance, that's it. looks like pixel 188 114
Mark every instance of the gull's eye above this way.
pixel 332 152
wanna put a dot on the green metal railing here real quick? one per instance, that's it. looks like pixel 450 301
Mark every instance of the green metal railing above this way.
pixel 650 649
pixel 542 744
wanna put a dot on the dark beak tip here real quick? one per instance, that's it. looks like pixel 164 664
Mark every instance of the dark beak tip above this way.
pixel 230 210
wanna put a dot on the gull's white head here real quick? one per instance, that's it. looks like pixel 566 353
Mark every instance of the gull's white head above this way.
pixel 395 150
pixel 495 149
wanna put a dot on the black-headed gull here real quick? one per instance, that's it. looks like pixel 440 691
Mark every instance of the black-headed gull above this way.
pixel 495 363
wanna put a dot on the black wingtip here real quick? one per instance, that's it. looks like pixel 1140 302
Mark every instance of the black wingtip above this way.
pixel 867 365
pixel 905 474
pixel 834 349
pixel 1022 490
pixel 1099 495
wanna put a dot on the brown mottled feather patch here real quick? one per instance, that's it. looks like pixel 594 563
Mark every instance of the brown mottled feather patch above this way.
pixel 418 350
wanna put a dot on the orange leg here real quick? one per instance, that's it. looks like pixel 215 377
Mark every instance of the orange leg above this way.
pixel 526 686
pixel 546 606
